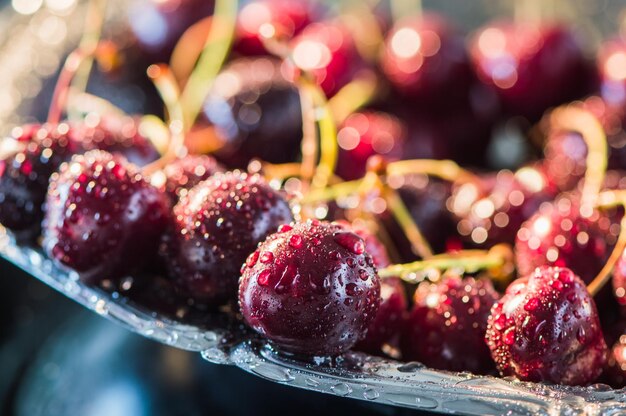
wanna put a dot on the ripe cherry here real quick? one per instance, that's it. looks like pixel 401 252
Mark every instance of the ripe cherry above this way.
pixel 365 134
pixel 281 19
pixel 615 370
pixel 158 24
pixel 216 226
pixel 178 177
pixel 425 59
pixel 326 50
pixel 256 112
pixel 559 234
pixel 546 329
pixel 531 67
pixel 24 176
pixel 311 289
pixel 103 219
pixel 449 319
pixel 492 211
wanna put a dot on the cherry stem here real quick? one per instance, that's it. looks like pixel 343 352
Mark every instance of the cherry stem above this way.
pixel 62 87
pixel 91 37
pixel 571 118
pixel 211 60
pixel 354 95
pixel 188 49
pixel 469 261
pixel 443 169
pixel 365 27
pixel 167 87
pixel 610 199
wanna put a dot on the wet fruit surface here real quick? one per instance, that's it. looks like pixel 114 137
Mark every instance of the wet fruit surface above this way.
pixel 560 235
pixel 311 288
pixel 185 173
pixel 216 226
pixel 546 329
pixel 256 112
pixel 103 219
pixel 449 319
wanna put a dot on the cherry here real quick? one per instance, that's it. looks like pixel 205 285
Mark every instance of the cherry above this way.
pixel 256 112
pixel 559 234
pixel 619 281
pixel 449 319
pixel 611 61
pixel 425 59
pixel 531 67
pixel 389 321
pixel 327 51
pixel 158 24
pixel 24 176
pixel 183 174
pixel 259 19
pixel 546 329
pixel 492 211
pixel 102 218
pixel 311 289
pixel 364 134
pixel 217 224
pixel 615 370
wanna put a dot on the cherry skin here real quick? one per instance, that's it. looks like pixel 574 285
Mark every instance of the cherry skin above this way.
pixel 389 322
pixel 491 212
pixel 425 59
pixel 615 371
pixel 327 51
pixel 610 61
pixel 256 113
pixel 181 175
pixel 531 67
pixel 282 19
pixel 365 134
pixel 158 24
pixel 24 176
pixel 546 329
pixel 103 219
pixel 311 289
pixel 216 226
pixel 560 235
pixel 449 319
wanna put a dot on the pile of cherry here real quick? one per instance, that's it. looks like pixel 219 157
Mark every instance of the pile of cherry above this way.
pixel 204 234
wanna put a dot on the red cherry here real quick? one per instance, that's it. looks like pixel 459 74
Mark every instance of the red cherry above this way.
pixel 425 59
pixel 259 19
pixel 560 235
pixel 546 329
pixel 448 321
pixel 185 173
pixel 365 134
pixel 317 295
pixel 216 226
pixel 102 218
pixel 531 67
pixel 328 52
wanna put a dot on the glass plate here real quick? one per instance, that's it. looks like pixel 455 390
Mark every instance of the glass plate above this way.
pixel 222 341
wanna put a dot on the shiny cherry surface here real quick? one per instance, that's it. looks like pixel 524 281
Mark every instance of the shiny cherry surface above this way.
pixel 546 329
pixel 311 289
pixel 183 174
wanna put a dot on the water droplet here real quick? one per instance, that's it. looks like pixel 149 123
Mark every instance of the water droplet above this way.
pixel 252 259
pixel 581 336
pixel 350 241
pixel 264 277
pixel 295 241
pixel 371 394
pixel 341 389
pixel 267 257
pixel 509 336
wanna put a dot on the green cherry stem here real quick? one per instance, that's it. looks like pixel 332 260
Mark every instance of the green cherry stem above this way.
pixel 213 56
pixel 94 20
pixel 442 169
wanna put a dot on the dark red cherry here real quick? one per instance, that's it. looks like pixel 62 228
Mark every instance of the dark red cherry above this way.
pixel 181 175
pixel 326 50
pixel 546 329
pixel 615 370
pixel 559 234
pixel 158 24
pixel 24 176
pixel 280 19
pixel 425 59
pixel 365 134
pixel 531 67
pixel 611 63
pixel 386 327
pixel 216 226
pixel 103 219
pixel 256 112
pixel 491 212
pixel 311 289
pixel 448 321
